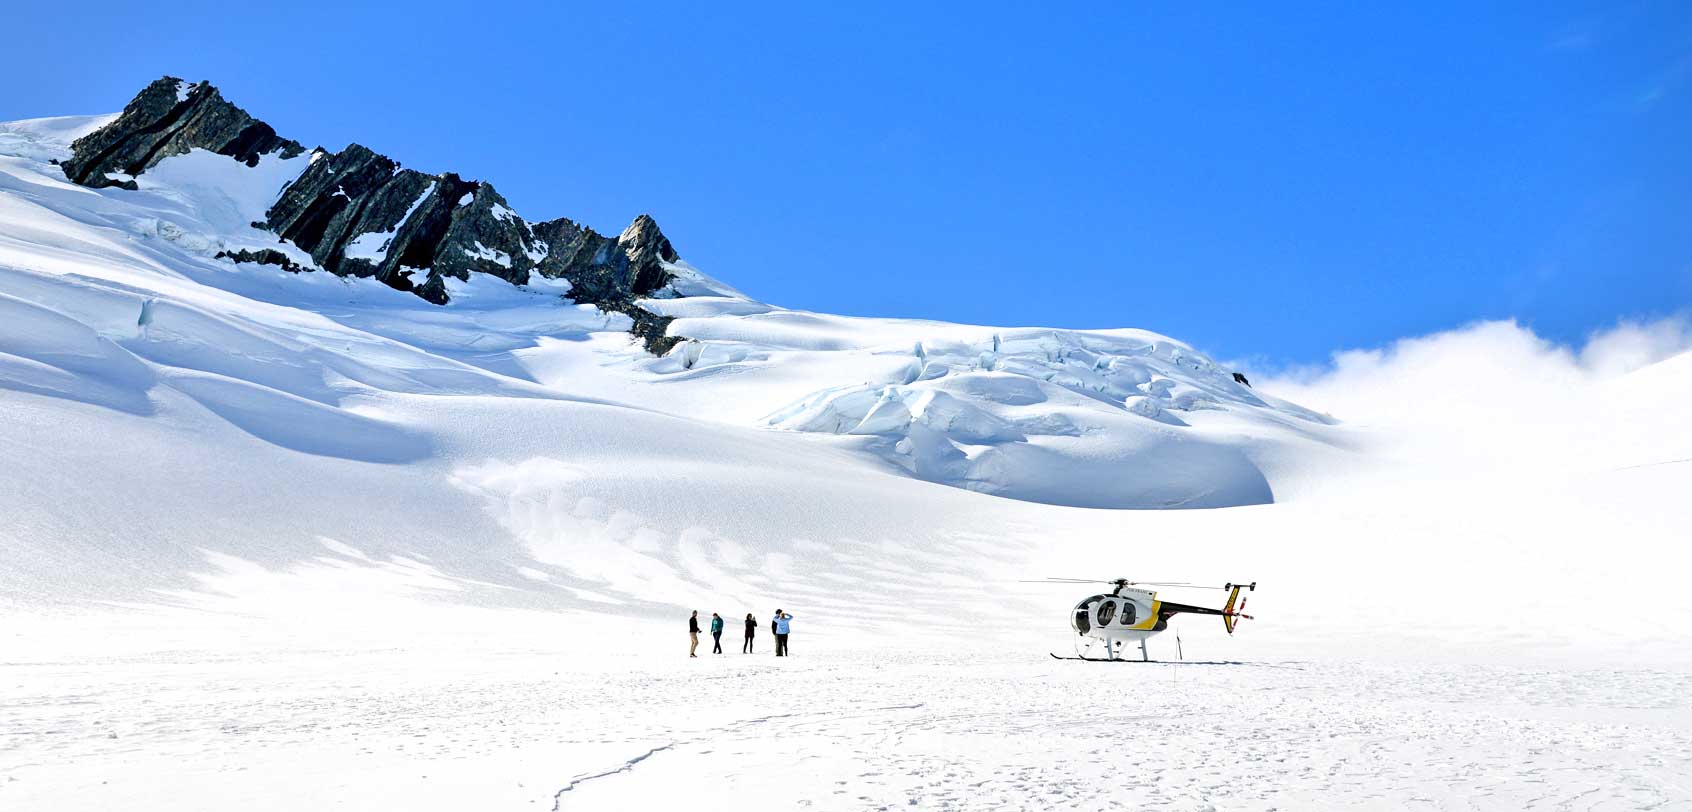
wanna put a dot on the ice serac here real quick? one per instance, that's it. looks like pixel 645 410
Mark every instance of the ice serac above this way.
pixel 359 213
pixel 170 117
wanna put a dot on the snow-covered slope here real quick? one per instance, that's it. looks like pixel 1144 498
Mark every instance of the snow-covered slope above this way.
pixel 327 491
pixel 199 413
pixel 1106 419
pixel 192 407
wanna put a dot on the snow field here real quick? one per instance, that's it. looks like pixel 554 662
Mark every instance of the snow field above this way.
pixel 970 728
pixel 294 541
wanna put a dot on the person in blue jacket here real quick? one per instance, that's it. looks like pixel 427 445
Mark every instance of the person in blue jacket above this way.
pixel 716 633
pixel 783 627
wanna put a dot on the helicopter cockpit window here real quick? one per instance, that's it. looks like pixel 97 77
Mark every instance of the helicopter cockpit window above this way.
pixel 1107 610
pixel 1129 615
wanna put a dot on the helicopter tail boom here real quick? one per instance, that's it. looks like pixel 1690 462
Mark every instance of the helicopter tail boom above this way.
pixel 1232 612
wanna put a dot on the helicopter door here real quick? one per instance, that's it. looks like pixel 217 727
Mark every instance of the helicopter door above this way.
pixel 1107 611
pixel 1129 615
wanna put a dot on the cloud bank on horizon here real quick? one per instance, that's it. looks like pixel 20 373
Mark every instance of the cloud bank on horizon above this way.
pixel 1496 394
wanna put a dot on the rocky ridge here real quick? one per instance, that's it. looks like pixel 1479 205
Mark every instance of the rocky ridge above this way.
pixel 359 213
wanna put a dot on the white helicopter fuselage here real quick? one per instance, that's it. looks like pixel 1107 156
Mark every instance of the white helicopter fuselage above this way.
pixel 1124 616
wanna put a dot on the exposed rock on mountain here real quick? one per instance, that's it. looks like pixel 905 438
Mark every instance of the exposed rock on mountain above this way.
pixel 267 256
pixel 170 117
pixel 652 329
pixel 602 269
pixel 358 213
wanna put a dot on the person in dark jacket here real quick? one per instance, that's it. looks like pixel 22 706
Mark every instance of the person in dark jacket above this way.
pixel 751 629
pixel 716 633
pixel 773 622
pixel 693 634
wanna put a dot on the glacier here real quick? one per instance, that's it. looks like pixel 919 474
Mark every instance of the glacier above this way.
pixel 288 539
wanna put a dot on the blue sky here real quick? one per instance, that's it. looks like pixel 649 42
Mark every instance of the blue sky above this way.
pixel 1267 183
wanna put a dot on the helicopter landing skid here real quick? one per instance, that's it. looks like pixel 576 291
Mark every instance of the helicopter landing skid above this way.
pixel 1104 659
pixel 1150 662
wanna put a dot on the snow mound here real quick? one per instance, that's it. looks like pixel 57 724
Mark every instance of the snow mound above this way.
pixel 46 139
pixel 1038 414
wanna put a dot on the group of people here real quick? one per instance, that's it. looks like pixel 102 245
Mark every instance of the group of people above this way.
pixel 780 627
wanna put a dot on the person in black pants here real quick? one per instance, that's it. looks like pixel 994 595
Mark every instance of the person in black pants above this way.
pixel 751 629
pixel 716 633
pixel 782 627
pixel 693 634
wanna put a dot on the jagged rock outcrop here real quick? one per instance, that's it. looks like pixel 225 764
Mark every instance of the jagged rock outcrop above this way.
pixel 170 117
pixel 359 213
pixel 652 329
pixel 263 256
pixel 601 269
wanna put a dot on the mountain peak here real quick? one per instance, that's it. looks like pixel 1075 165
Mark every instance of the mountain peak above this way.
pixel 170 117
pixel 360 213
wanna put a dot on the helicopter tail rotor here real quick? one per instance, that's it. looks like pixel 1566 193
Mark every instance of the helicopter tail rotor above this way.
pixel 1230 615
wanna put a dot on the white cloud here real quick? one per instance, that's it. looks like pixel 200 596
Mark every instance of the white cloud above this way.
pixel 1494 395
pixel 1635 345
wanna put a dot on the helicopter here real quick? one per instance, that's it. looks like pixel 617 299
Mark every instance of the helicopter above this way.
pixel 1104 624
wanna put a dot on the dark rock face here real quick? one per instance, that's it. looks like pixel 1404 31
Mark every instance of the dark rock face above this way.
pixel 265 256
pixel 358 213
pixel 601 269
pixel 171 117
pixel 651 328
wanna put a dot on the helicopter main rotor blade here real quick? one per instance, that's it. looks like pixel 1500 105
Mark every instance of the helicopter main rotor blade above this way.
pixel 1131 583
pixel 1182 584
